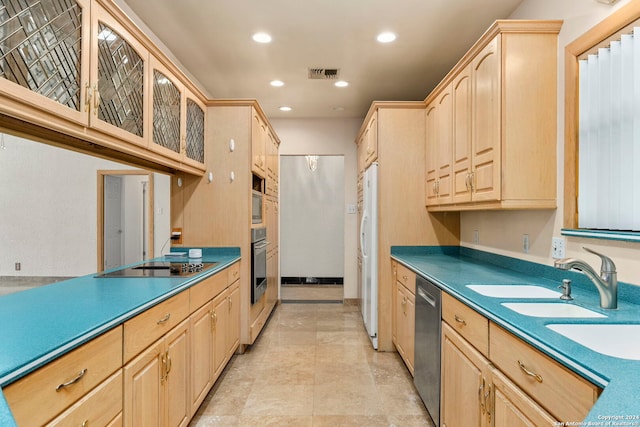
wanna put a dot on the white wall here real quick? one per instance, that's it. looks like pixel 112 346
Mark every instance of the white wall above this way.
pixel 48 209
pixel 329 137
pixel 312 217
pixel 501 232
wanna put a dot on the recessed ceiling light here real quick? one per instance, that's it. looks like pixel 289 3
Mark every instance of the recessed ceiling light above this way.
pixel 277 83
pixel 285 108
pixel 262 38
pixel 386 37
pixel 341 83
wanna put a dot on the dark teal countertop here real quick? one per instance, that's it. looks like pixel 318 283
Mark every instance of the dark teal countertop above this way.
pixel 452 268
pixel 41 324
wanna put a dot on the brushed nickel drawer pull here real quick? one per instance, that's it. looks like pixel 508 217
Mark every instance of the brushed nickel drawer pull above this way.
pixel 524 369
pixel 164 319
pixel 460 320
pixel 73 381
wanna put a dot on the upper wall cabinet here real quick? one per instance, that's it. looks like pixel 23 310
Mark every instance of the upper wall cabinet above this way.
pixel 80 68
pixel 117 89
pixel 491 139
pixel 44 55
pixel 259 138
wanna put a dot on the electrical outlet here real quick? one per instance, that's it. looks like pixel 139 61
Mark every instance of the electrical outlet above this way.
pixel 558 247
pixel 476 237
pixel 18 266
pixel 525 243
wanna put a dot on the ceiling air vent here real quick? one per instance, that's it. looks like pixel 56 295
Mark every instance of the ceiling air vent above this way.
pixel 324 73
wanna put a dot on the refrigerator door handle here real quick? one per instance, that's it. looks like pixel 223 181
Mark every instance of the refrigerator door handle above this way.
pixel 363 221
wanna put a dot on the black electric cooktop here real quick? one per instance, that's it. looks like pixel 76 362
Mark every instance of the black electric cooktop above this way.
pixel 161 269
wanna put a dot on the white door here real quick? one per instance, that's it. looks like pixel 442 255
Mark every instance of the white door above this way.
pixel 113 243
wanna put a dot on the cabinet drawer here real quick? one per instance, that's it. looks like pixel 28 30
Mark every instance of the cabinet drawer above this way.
pixel 473 326
pixel 406 277
pixel 98 408
pixel 234 272
pixel 43 394
pixel 150 325
pixel 206 290
pixel 541 377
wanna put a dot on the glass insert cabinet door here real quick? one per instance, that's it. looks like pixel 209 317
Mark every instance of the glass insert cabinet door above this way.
pixel 167 103
pixel 118 93
pixel 44 54
pixel 195 131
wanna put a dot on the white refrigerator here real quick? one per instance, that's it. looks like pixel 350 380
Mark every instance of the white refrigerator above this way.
pixel 369 250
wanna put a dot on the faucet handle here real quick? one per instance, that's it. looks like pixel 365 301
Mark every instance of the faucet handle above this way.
pixel 607 266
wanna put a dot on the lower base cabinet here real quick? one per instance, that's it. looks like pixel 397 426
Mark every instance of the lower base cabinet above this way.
pixel 475 393
pixel 155 382
pixel 508 383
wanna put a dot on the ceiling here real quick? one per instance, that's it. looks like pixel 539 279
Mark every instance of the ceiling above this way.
pixel 213 41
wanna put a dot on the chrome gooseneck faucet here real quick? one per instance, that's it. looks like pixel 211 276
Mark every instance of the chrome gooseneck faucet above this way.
pixel 606 282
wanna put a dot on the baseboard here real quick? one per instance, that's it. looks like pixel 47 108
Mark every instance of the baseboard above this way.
pixel 312 280
pixel 351 301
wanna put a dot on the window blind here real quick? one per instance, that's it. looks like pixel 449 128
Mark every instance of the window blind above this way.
pixel 609 136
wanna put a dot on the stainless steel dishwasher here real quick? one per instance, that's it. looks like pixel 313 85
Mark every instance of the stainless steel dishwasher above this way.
pixel 427 346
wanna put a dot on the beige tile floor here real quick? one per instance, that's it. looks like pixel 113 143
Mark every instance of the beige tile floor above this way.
pixel 313 365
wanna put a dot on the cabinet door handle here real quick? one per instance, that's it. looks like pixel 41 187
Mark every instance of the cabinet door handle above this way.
pixel 169 363
pixel 88 93
pixel 96 99
pixel 230 303
pixel 482 401
pixel 214 317
pixel 460 320
pixel 164 319
pixel 524 369
pixel 73 381
pixel 471 175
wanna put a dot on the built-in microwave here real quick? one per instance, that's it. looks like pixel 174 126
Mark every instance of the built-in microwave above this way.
pixel 256 207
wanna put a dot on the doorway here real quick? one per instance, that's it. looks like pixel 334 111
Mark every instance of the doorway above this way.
pixel 312 216
pixel 125 217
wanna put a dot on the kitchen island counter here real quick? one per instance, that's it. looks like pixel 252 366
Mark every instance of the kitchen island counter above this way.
pixel 41 324
pixel 453 268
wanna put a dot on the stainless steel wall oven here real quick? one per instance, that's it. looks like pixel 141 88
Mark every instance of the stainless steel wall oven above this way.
pixel 258 263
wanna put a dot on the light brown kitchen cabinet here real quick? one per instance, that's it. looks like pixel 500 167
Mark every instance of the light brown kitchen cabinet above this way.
pixel 166 115
pixel 202 344
pixel 67 380
pixel 502 380
pixel 214 330
pixel 405 324
pixel 156 382
pixel 90 87
pixel 60 87
pixel 464 382
pixel 513 408
pixel 488 397
pixel 439 128
pixel 397 131
pixel 100 407
pixel 370 138
pixel 258 145
pixel 502 150
pixel 118 92
pixel 404 312
pixel 228 199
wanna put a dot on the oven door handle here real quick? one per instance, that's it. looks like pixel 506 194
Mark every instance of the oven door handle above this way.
pixel 261 245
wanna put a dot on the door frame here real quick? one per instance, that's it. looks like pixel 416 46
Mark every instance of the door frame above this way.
pixel 100 202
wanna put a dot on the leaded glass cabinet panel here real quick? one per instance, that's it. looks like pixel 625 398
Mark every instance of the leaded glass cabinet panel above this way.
pixel 195 131
pixel 120 82
pixel 167 101
pixel 44 48
pixel 118 93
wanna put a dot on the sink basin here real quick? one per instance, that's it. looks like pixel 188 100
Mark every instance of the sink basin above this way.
pixel 550 309
pixel 514 291
pixel 614 340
